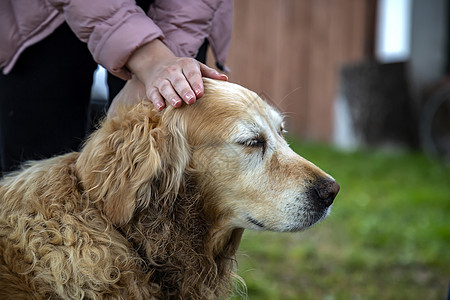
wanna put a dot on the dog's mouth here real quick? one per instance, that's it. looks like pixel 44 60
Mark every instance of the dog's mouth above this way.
pixel 293 217
pixel 303 220
pixel 258 224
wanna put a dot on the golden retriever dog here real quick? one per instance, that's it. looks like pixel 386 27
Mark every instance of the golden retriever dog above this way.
pixel 155 204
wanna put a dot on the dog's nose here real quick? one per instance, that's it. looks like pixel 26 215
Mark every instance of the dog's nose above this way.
pixel 326 191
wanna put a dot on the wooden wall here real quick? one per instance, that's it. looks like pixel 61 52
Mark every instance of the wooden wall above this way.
pixel 290 51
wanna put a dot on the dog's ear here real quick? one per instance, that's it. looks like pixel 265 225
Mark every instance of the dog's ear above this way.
pixel 125 156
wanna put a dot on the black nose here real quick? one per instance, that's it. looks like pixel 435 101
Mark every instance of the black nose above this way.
pixel 326 191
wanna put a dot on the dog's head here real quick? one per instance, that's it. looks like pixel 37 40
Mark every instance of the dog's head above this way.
pixel 230 144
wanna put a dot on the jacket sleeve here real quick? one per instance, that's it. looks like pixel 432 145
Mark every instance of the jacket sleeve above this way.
pixel 113 29
pixel 187 23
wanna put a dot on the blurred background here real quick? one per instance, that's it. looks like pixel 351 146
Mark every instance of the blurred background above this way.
pixel 364 87
pixel 351 72
pixel 365 90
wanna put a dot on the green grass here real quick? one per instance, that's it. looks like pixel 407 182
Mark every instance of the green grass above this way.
pixel 388 236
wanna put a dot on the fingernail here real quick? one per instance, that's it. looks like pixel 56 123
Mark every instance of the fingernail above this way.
pixel 190 97
pixel 159 106
pixel 198 91
pixel 175 102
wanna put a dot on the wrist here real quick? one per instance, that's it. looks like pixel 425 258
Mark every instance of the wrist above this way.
pixel 148 55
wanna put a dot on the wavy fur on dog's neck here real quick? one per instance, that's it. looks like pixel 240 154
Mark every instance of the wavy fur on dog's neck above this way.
pixel 178 244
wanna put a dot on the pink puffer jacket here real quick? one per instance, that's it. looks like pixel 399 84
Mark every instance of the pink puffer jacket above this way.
pixel 113 29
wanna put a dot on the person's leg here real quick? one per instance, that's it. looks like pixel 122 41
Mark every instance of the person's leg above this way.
pixel 44 101
pixel 202 52
pixel 115 84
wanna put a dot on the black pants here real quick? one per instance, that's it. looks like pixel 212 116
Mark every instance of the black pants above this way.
pixel 44 100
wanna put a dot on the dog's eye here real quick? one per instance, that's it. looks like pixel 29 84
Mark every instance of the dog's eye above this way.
pixel 255 143
pixel 258 142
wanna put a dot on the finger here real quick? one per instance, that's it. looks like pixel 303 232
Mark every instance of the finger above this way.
pixel 193 76
pixel 155 97
pixel 169 94
pixel 183 88
pixel 211 73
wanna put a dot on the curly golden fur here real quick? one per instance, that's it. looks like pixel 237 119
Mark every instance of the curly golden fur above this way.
pixel 155 204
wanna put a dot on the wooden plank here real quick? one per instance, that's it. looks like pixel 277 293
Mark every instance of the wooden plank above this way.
pixel 291 52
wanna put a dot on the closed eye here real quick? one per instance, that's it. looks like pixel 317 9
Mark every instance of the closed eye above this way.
pixel 255 143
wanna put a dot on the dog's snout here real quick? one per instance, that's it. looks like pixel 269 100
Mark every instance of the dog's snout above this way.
pixel 326 191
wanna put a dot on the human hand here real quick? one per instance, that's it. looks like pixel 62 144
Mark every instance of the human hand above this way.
pixel 167 77
pixel 132 93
